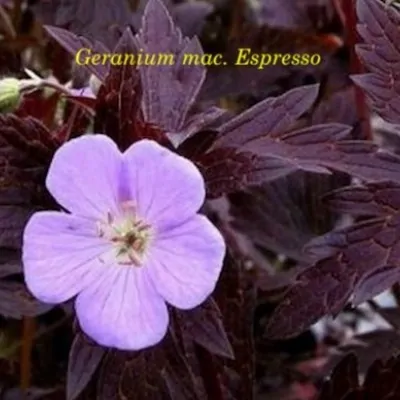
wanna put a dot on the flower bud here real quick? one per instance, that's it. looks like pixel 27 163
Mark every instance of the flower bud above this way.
pixel 9 94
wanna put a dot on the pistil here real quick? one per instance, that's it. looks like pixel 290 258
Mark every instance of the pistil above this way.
pixel 128 233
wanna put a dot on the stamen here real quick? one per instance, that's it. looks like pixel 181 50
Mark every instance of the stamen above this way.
pixel 128 233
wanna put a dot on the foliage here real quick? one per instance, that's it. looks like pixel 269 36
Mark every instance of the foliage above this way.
pixel 298 180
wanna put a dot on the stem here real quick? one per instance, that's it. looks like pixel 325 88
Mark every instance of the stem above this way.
pixel 352 38
pixel 209 373
pixel 17 13
pixel 237 19
pixel 26 351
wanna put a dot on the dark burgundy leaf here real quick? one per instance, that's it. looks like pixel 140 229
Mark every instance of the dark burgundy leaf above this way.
pixel 200 120
pixel 292 14
pixel 227 170
pixel 73 43
pixel 378 344
pixel 282 216
pixel 362 258
pixel 381 381
pixel 236 298
pixel 250 140
pixel 375 199
pixel 161 372
pixel 375 283
pixel 338 108
pixel 320 148
pixel 92 18
pixel 118 113
pixel 182 361
pixel 10 262
pixel 26 148
pixel 224 81
pixel 321 289
pixel 343 380
pixel 12 222
pixel 378 26
pixel 267 118
pixel 204 324
pixel 131 375
pixel 168 90
pixel 84 359
pixel 16 302
pixel 190 17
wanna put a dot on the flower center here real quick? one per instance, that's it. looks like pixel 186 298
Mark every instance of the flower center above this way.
pixel 129 234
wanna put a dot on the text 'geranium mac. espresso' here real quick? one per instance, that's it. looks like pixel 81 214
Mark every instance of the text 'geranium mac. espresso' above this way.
pixel 133 240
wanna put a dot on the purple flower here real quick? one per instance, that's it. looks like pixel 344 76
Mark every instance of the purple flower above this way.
pixel 133 240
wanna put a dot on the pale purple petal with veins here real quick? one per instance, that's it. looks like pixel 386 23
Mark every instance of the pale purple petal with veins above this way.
pixel 61 255
pixel 186 262
pixel 167 188
pixel 133 242
pixel 84 175
pixel 123 310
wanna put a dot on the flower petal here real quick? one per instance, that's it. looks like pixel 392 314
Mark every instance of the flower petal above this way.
pixel 84 176
pixel 61 255
pixel 123 310
pixel 185 262
pixel 167 188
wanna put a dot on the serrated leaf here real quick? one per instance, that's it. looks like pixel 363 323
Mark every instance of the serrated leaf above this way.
pixel 190 17
pixel 130 375
pixel 321 148
pixel 73 43
pixel 378 26
pixel 161 372
pixel 118 102
pixel 282 216
pixel 366 346
pixel 337 108
pixel 381 381
pixel 236 298
pixel 168 90
pixel 204 324
pixel 265 132
pixel 375 199
pixel 227 170
pixel 271 116
pixel 84 359
pixel 182 361
pixel 361 259
pixel 16 302
pixel 321 289
pixel 343 380
pixel 92 18
pixel 26 149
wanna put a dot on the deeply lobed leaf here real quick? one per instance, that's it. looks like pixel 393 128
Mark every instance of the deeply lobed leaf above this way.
pixel 378 26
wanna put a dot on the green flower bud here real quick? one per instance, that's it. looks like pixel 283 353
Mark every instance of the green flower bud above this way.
pixel 9 94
